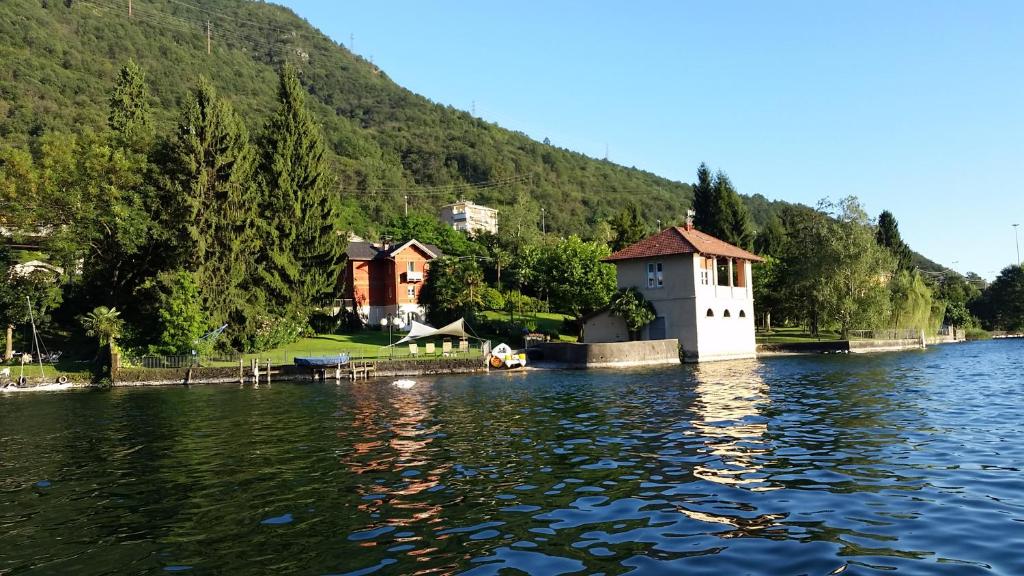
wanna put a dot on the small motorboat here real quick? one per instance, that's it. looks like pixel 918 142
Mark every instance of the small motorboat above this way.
pixel 503 357
pixel 321 361
pixel 404 384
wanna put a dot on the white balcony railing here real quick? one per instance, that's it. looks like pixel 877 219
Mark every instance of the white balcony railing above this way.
pixel 414 276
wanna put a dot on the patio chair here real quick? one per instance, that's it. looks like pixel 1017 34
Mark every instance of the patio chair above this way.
pixel 430 351
pixel 414 349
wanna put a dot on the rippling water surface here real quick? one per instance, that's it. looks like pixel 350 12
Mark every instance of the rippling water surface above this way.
pixel 900 463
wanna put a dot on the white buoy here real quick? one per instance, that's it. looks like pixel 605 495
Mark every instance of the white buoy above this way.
pixel 404 384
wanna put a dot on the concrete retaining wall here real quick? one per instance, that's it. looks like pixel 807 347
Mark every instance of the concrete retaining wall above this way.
pixel 839 346
pixel 605 354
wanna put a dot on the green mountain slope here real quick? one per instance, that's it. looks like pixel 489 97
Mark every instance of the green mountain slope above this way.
pixel 59 58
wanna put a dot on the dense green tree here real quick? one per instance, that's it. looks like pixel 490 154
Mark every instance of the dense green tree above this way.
pixel 832 272
pixel 704 203
pixel 1001 305
pixel 129 116
pixel 212 171
pixel 731 220
pixel 452 289
pixel 178 310
pixel 719 210
pixel 771 239
pixel 888 235
pixel 628 226
pixel 302 247
pixel 578 281
pixel 635 310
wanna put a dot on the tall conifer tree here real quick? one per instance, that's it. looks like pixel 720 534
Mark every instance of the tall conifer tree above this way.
pixel 703 199
pixel 129 116
pixel 304 255
pixel 888 235
pixel 213 164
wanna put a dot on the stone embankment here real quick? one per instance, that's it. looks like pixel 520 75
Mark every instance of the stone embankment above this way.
pixel 125 377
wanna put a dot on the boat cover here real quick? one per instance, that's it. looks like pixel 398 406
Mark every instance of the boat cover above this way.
pixel 322 361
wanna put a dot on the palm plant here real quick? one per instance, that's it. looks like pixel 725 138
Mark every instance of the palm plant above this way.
pixel 630 305
pixel 103 323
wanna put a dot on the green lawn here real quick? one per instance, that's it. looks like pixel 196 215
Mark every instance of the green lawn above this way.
pixel 368 344
pixel 50 371
pixel 545 321
pixel 790 335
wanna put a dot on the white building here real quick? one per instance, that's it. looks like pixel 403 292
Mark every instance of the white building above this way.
pixel 469 217
pixel 701 290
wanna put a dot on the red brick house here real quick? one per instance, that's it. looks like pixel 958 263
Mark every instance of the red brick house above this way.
pixel 386 278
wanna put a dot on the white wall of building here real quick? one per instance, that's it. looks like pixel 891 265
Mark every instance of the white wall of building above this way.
pixel 683 301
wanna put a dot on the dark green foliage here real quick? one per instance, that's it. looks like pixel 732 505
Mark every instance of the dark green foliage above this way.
pixel 628 226
pixel 303 248
pixel 212 166
pixel 719 210
pixel 179 311
pixel 704 199
pixel 771 239
pixel 630 305
pixel 888 235
pixel 575 277
pixel 1001 305
pixel 452 289
pixel 129 105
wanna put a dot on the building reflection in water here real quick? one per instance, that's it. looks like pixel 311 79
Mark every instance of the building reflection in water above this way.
pixel 395 443
pixel 730 397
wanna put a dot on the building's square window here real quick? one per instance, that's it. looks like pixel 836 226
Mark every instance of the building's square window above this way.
pixel 411 267
pixel 411 291
pixel 655 276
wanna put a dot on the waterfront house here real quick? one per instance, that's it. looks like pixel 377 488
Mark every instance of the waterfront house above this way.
pixel 386 278
pixel 466 216
pixel 701 289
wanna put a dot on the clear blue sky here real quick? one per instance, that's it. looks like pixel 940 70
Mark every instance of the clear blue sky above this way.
pixel 914 106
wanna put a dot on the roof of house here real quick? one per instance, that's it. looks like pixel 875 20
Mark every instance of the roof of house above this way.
pixel 679 240
pixel 370 251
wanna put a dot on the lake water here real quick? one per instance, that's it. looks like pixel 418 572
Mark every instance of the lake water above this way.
pixel 906 463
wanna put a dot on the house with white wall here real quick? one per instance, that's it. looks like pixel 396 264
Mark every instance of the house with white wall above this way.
pixel 700 287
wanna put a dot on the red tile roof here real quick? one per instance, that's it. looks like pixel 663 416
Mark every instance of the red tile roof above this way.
pixel 678 240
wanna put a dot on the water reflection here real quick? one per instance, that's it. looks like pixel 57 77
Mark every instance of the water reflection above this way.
pixel 730 400
pixel 905 464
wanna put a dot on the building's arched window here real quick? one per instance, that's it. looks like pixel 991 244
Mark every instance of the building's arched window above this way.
pixel 743 313
pixel 727 314
pixel 711 313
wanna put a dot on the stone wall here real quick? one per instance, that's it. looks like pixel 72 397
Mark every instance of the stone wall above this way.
pixel 605 354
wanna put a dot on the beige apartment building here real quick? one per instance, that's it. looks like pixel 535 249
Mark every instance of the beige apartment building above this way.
pixel 469 217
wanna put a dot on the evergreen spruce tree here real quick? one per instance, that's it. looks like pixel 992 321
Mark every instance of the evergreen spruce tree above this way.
pixel 888 235
pixel 628 226
pixel 703 200
pixel 303 255
pixel 212 164
pixel 730 218
pixel 129 114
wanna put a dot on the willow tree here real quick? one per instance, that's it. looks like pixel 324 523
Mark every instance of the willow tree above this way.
pixel 303 251
pixel 212 167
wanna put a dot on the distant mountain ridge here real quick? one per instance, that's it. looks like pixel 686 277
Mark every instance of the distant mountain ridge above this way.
pixel 60 59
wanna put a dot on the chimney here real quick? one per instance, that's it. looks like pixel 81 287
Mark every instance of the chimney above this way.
pixel 689 219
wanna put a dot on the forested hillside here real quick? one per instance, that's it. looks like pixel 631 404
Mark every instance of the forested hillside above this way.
pixel 59 59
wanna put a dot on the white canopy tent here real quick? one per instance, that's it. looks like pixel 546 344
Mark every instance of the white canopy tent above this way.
pixel 418 330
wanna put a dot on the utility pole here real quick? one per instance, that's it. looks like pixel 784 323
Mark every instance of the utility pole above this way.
pixel 208 45
pixel 1016 241
pixel 406 205
pixel 543 223
pixel 129 8
pixel 352 42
